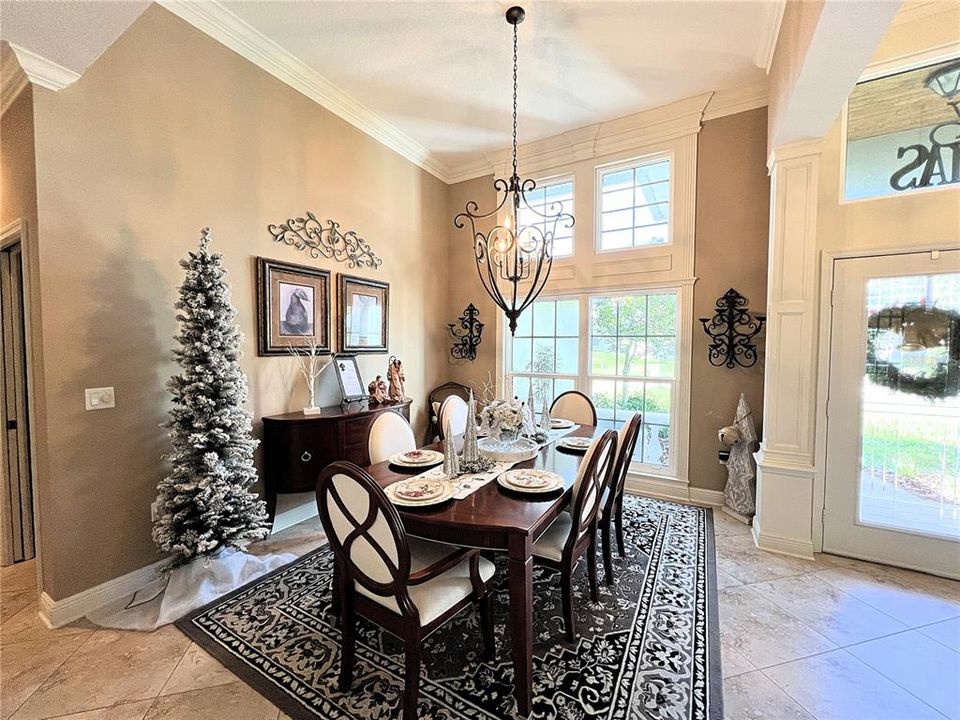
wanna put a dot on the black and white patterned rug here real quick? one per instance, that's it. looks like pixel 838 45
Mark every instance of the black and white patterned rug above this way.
pixel 649 650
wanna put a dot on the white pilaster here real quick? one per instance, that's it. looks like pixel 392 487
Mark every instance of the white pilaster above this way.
pixel 785 461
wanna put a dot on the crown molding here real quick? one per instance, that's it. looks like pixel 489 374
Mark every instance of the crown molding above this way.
pixel 916 9
pixel 771 31
pixel 215 20
pixel 43 72
pixel 13 80
pixel 736 100
pixel 911 60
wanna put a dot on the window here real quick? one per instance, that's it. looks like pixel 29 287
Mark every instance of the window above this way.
pixel 545 350
pixel 634 205
pixel 627 362
pixel 549 199
pixel 633 367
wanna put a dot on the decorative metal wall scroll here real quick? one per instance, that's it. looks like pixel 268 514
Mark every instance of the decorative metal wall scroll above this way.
pixel 325 240
pixel 731 329
pixel 467 335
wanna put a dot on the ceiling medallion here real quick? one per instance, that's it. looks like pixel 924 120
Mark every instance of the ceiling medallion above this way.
pixel 514 261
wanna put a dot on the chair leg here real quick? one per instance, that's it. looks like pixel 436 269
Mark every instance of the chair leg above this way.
pixel 566 591
pixel 348 642
pixel 618 523
pixel 592 568
pixel 607 552
pixel 335 594
pixel 411 691
pixel 486 628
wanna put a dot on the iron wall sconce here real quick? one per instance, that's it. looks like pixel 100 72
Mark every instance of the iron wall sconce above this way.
pixel 731 331
pixel 467 335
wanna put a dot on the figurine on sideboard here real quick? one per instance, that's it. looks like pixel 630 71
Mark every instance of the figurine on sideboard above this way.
pixel 378 391
pixel 396 378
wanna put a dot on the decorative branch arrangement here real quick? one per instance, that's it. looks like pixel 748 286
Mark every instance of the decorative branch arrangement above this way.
pixel 308 359
pixel 467 335
pixel 731 329
pixel 325 240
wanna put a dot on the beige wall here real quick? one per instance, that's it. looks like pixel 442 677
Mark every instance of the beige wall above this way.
pixel 733 193
pixel 166 133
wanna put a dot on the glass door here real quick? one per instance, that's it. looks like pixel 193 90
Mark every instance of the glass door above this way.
pixel 893 439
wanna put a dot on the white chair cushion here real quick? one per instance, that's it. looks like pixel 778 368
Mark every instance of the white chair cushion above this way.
pixel 453 415
pixel 550 544
pixel 434 597
pixel 575 408
pixel 389 434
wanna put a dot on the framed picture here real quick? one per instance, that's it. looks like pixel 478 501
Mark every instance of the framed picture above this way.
pixel 293 308
pixel 348 375
pixel 363 315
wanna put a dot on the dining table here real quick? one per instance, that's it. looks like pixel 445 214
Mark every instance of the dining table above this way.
pixel 497 519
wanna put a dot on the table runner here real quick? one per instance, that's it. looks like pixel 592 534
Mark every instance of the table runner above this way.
pixel 467 483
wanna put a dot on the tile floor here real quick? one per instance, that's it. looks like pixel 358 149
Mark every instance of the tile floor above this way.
pixel 833 639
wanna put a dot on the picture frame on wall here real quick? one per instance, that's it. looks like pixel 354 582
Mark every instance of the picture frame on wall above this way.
pixel 363 315
pixel 352 386
pixel 293 308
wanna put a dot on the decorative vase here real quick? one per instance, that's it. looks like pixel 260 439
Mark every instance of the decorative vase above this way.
pixel 509 435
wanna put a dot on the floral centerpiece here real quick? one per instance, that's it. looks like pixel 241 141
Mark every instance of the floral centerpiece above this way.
pixel 504 417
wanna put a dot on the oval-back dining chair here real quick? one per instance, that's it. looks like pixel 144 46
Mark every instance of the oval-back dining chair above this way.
pixel 436 398
pixel 574 405
pixel 405 585
pixel 572 534
pixel 612 509
pixel 453 413
pixel 390 433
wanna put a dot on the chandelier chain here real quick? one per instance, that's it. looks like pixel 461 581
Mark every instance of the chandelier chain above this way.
pixel 515 101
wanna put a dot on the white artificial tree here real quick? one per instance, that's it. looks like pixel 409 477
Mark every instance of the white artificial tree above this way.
pixel 205 502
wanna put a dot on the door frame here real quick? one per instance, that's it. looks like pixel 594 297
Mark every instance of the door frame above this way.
pixel 17 231
pixel 827 272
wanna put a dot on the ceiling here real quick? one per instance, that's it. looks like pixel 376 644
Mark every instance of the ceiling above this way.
pixel 440 72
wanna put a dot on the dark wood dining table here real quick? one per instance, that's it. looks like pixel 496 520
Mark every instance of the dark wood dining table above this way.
pixel 497 519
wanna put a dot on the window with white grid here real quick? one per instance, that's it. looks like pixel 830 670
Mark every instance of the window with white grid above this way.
pixel 634 205
pixel 550 198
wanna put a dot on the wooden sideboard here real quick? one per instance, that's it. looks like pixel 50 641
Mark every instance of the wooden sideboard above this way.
pixel 296 447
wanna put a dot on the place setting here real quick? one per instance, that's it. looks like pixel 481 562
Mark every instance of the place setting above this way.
pixel 530 481
pixel 577 445
pixel 422 458
pixel 419 492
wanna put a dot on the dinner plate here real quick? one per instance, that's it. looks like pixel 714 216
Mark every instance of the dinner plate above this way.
pixel 417 458
pixel 418 489
pixel 391 492
pixel 561 423
pixel 530 481
pixel 577 444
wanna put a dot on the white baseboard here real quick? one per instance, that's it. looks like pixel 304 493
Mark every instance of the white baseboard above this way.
pixel 57 613
pixel 672 490
pixel 784 546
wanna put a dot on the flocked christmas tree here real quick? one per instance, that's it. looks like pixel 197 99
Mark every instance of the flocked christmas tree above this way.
pixel 205 502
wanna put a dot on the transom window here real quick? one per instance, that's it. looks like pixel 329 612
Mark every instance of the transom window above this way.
pixel 627 362
pixel 634 203
pixel 549 198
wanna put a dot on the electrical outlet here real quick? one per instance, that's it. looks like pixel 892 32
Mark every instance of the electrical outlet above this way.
pixel 99 398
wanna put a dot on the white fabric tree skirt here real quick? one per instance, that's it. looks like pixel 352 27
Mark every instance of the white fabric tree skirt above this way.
pixel 189 587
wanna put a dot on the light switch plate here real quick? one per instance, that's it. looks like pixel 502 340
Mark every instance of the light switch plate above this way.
pixel 99 398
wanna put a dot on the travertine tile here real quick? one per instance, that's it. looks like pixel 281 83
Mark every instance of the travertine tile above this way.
pixel 725 580
pixel 896 593
pixel 127 711
pixel 25 666
pixel 946 633
pixel 753 696
pixel 732 660
pixel 762 632
pixel 197 669
pixel 111 667
pixel 13 601
pixel 26 626
pixel 924 667
pixel 724 525
pixel 833 613
pixel 739 557
pixel 19 576
pixel 838 686
pixel 235 701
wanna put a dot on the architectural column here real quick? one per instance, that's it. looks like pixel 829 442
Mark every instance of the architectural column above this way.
pixel 785 461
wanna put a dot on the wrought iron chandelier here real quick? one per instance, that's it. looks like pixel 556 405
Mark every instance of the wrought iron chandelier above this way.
pixel 514 262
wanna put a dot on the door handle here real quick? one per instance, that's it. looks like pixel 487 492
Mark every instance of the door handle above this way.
pixel 11 424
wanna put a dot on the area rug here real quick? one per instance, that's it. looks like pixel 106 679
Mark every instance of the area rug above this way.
pixel 648 650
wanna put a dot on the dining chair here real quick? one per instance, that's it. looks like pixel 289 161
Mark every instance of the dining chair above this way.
pixel 611 505
pixel 390 433
pixel 453 414
pixel 435 399
pixel 574 405
pixel 572 534
pixel 407 586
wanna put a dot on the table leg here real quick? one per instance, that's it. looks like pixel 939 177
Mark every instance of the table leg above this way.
pixel 521 621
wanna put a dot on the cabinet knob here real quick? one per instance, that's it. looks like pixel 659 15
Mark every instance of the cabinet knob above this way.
pixel 306 457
